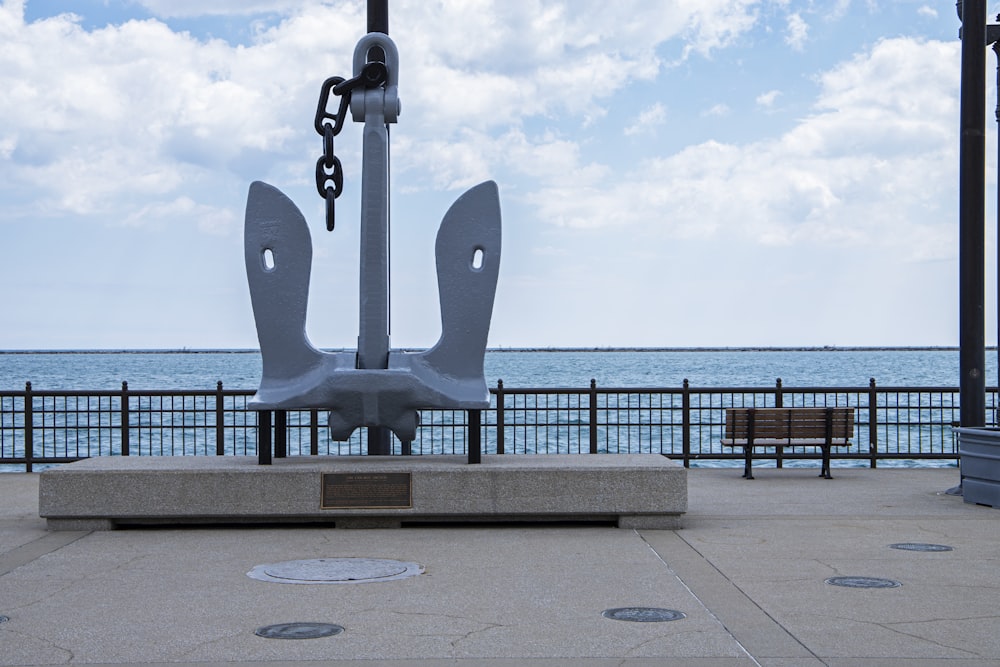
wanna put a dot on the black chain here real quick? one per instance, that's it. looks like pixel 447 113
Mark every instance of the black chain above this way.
pixel 329 172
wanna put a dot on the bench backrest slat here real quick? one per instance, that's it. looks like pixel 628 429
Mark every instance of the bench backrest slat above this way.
pixel 790 423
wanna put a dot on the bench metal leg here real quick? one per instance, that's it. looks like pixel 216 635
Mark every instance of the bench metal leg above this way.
pixel 829 442
pixel 825 472
pixel 748 448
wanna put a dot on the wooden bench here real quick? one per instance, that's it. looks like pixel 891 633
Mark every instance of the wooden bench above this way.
pixel 788 427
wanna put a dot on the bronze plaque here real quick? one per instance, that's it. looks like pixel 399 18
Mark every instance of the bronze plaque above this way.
pixel 367 490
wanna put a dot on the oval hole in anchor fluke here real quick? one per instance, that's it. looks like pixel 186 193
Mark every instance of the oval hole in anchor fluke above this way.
pixel 268 257
pixel 478 256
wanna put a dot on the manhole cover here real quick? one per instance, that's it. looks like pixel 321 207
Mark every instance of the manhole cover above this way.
pixel 335 571
pixel 643 614
pixel 4 619
pixel 918 546
pixel 863 582
pixel 298 630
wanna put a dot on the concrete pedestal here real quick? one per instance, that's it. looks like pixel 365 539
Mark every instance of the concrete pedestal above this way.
pixel 632 490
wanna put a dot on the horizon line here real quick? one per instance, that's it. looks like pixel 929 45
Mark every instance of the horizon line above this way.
pixel 504 349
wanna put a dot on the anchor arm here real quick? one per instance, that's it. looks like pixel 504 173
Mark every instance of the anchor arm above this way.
pixel 278 255
pixel 467 255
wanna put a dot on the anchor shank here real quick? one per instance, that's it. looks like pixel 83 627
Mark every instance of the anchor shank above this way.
pixel 373 334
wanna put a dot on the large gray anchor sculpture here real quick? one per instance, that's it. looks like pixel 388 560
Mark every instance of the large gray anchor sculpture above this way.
pixel 374 386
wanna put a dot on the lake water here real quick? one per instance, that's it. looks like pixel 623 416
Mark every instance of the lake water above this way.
pixel 517 368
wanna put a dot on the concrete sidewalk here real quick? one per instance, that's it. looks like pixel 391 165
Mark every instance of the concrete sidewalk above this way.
pixel 748 570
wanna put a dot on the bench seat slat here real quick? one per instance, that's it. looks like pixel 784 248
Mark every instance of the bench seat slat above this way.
pixel 786 442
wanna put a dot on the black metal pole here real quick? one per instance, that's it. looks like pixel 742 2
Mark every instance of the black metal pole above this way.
pixel 993 35
pixel 378 16
pixel 972 212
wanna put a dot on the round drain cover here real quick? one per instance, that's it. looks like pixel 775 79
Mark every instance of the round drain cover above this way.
pixel 918 546
pixel 298 630
pixel 334 571
pixel 643 614
pixel 863 582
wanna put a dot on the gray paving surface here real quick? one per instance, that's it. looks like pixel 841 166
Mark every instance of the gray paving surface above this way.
pixel 748 570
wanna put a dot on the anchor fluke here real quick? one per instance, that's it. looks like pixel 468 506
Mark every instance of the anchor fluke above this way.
pixel 467 252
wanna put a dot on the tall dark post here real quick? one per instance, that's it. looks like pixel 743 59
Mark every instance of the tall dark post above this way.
pixel 972 213
pixel 379 439
pixel 993 37
pixel 378 16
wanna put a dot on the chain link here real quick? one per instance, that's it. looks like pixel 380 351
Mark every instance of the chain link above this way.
pixel 329 172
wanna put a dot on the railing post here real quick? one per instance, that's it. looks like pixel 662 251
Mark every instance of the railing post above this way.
pixel 125 420
pixel 280 434
pixel 593 416
pixel 475 436
pixel 779 402
pixel 686 422
pixel 264 437
pixel 872 422
pixel 500 417
pixel 29 427
pixel 220 421
pixel 314 432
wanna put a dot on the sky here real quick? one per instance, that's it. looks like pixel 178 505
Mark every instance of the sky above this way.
pixel 672 173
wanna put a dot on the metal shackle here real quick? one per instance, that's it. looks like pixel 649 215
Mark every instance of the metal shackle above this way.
pixel 390 95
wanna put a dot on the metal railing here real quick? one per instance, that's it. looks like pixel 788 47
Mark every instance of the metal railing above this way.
pixel 909 424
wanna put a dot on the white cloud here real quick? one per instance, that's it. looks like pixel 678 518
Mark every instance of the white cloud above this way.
pixel 207 219
pixel 7 145
pixel 713 23
pixel 767 99
pixel 838 10
pixel 797 32
pixel 928 11
pixel 189 8
pixel 138 110
pixel 647 120
pixel 873 165
pixel 718 110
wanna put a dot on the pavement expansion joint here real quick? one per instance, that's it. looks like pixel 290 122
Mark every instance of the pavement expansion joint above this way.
pixel 335 571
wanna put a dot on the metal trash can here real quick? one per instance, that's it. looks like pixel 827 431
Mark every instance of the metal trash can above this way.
pixel 979 452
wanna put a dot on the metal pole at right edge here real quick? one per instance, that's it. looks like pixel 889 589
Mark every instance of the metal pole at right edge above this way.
pixel 972 213
pixel 993 36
